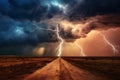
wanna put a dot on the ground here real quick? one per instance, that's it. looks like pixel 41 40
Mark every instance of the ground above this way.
pixel 65 68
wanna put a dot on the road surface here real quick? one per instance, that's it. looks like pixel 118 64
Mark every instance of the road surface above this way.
pixel 60 69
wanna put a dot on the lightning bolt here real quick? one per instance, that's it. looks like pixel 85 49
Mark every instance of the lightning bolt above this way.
pixel 81 49
pixel 38 28
pixel 110 44
pixel 60 47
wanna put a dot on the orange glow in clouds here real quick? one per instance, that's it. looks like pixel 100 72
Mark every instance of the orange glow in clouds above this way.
pixel 91 44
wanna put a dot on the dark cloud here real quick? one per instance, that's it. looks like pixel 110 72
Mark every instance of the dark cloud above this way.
pixel 21 50
pixel 42 9
pixel 29 9
pixel 103 22
pixel 22 32
pixel 88 8
pixel 22 21
pixel 36 9
pixel 71 30
pixel 39 9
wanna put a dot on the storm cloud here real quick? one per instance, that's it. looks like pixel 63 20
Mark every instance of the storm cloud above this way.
pixel 21 17
pixel 30 22
pixel 17 32
pixel 88 8
pixel 104 22
pixel 34 9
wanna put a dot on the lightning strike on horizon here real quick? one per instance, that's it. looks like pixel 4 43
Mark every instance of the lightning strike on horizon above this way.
pixel 110 44
pixel 60 47
pixel 81 49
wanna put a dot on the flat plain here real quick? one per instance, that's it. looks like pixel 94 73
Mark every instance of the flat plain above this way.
pixel 63 68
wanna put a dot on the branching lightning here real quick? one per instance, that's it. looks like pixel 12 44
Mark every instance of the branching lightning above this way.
pixel 81 49
pixel 60 47
pixel 82 53
pixel 110 44
pixel 38 28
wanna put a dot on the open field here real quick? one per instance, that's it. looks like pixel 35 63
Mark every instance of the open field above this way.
pixel 65 68
pixel 108 67
pixel 16 68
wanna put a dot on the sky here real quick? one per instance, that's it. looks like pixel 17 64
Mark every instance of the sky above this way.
pixel 28 27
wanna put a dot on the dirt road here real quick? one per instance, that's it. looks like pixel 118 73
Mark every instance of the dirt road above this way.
pixel 64 68
pixel 60 69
